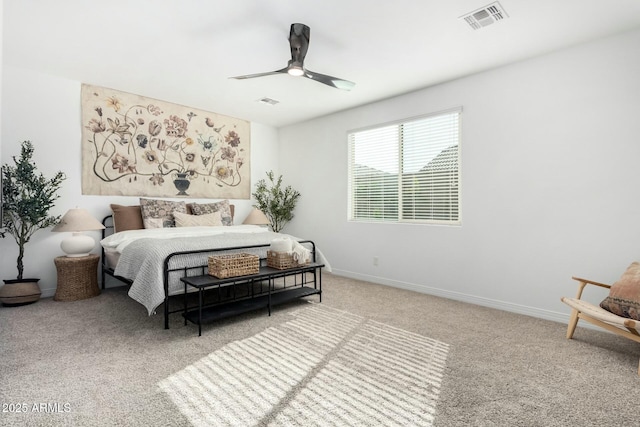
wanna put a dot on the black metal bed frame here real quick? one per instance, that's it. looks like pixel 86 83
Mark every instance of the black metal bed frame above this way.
pixel 107 221
pixel 105 270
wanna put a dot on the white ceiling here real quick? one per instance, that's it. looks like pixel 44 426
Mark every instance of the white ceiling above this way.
pixel 184 51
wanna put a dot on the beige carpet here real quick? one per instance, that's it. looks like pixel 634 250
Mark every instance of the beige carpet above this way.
pixel 324 367
pixel 367 355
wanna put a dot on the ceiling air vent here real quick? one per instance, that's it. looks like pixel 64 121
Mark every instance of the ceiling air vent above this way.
pixel 267 101
pixel 485 16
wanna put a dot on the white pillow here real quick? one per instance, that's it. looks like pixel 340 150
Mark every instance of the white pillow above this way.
pixel 186 220
pixel 153 223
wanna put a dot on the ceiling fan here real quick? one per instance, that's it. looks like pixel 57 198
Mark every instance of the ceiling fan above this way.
pixel 299 42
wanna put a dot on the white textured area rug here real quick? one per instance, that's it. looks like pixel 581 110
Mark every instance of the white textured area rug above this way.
pixel 324 367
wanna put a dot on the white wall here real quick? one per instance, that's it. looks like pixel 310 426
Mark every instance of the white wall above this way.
pixel 46 110
pixel 1 44
pixel 550 180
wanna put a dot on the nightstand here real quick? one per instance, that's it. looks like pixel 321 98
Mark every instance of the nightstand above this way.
pixel 77 277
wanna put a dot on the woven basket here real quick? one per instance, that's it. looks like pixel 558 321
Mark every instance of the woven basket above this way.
pixel 281 260
pixel 223 266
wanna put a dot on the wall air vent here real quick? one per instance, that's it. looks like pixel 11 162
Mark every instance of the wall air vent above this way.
pixel 485 16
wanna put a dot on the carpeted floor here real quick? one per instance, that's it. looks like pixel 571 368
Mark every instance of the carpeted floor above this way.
pixel 367 355
pixel 324 364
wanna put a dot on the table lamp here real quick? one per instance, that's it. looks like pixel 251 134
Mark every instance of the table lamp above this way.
pixel 256 217
pixel 76 221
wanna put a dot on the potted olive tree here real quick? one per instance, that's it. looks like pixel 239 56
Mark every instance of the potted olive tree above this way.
pixel 275 202
pixel 27 198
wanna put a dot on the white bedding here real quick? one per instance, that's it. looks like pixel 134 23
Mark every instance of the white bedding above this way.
pixel 119 241
pixel 142 254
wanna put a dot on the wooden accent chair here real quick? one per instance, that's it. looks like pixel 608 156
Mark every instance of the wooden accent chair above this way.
pixel 598 316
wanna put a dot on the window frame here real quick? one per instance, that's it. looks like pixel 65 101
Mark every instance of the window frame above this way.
pixel 399 219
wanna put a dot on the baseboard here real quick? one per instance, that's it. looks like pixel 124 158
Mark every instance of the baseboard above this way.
pixel 459 296
pixel 48 293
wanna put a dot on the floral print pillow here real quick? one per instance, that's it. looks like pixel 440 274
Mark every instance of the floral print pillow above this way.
pixel 207 208
pixel 159 213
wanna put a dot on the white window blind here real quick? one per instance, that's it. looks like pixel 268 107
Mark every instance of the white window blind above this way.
pixel 407 172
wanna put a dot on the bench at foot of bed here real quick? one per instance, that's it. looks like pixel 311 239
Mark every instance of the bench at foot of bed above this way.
pixel 307 281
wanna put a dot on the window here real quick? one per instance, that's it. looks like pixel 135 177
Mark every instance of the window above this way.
pixel 407 172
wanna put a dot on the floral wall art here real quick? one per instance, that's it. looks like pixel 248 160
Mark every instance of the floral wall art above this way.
pixel 137 146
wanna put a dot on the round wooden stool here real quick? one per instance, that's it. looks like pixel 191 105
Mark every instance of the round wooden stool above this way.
pixel 77 277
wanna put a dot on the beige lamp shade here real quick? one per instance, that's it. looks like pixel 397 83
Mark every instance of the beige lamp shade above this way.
pixel 76 221
pixel 256 217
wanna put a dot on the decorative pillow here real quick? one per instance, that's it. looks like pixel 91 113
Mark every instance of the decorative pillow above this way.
pixel 126 218
pixel 207 208
pixel 155 223
pixel 186 220
pixel 624 295
pixel 159 213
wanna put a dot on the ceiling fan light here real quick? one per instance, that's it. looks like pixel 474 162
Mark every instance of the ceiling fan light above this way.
pixel 296 71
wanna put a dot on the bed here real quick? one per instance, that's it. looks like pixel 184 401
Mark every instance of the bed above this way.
pixel 176 244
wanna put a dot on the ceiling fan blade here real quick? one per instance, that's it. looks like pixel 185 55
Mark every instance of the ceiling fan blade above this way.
pixel 269 73
pixel 329 80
